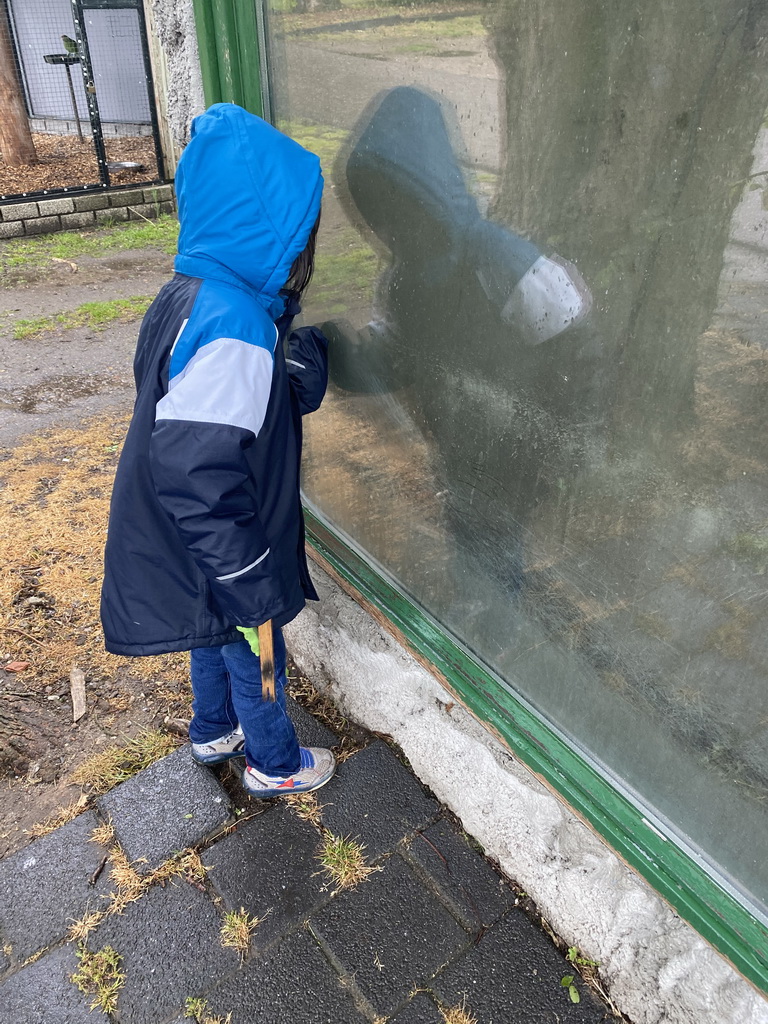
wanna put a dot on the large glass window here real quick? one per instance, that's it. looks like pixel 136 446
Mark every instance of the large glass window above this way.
pixel 544 274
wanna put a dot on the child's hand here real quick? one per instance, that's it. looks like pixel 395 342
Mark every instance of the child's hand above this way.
pixel 252 636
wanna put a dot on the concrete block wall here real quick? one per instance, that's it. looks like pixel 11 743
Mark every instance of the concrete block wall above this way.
pixel 84 210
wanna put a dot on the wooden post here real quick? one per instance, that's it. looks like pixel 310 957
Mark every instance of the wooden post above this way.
pixel 16 146
pixel 267 659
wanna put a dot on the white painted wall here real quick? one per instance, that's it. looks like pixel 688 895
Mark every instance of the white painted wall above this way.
pixel 174 23
pixel 658 969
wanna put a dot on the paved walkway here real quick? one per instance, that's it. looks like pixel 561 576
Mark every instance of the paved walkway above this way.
pixel 432 928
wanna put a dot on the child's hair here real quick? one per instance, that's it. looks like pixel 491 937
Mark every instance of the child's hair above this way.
pixel 304 265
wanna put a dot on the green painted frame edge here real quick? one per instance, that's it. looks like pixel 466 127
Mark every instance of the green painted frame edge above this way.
pixel 717 915
pixel 230 58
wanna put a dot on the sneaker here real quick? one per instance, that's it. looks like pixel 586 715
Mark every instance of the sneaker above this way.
pixel 221 749
pixel 317 768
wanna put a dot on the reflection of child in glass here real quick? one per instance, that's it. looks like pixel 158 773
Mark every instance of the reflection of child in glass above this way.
pixel 206 536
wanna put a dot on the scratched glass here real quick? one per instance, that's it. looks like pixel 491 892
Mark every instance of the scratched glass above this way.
pixel 544 274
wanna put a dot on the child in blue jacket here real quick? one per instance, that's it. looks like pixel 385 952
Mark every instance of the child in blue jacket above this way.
pixel 206 535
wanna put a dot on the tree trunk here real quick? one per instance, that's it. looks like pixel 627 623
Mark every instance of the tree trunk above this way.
pixel 16 146
pixel 630 135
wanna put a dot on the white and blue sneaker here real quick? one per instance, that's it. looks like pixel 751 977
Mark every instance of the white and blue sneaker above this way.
pixel 221 749
pixel 317 768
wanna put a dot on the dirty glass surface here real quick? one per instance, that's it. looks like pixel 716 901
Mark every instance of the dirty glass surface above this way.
pixel 544 274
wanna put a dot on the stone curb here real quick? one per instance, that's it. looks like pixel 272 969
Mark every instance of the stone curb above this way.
pixel 81 210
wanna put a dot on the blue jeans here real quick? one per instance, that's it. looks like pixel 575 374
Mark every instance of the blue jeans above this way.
pixel 226 688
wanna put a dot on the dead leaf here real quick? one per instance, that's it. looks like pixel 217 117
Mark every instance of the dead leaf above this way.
pixel 72 266
pixel 16 666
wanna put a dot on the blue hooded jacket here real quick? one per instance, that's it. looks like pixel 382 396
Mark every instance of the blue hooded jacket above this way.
pixel 206 530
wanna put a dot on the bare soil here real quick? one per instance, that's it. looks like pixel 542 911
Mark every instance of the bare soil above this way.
pixel 65 162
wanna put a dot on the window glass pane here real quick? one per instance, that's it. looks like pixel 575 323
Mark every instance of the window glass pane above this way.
pixel 544 273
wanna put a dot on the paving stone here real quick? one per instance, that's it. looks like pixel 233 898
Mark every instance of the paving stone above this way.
pixel 169 942
pixel 513 974
pixel 42 225
pixel 142 211
pixel 43 994
pixel 19 211
pixel 374 798
pixel 390 934
pixel 463 877
pixel 11 229
pixel 77 221
pixel 49 207
pixel 269 867
pixel 46 886
pixel 420 1010
pixel 128 198
pixel 173 804
pixel 158 194
pixel 96 201
pixel 310 731
pixel 111 215
pixel 292 984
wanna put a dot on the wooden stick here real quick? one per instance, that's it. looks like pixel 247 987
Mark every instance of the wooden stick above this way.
pixel 267 659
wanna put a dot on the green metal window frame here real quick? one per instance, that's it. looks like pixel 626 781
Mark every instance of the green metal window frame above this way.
pixel 231 44
pixel 229 41
pixel 715 913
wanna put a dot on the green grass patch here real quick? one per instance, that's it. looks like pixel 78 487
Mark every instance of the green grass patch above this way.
pixel 344 279
pixel 105 769
pixel 96 315
pixel 751 548
pixel 344 860
pixel 19 253
pixel 325 142
pixel 415 31
pixel 100 976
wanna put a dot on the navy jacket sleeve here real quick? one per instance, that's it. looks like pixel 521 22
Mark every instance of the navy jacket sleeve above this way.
pixel 307 362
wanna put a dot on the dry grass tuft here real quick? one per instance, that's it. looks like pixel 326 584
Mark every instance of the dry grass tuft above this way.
pixel 197 1009
pixel 306 807
pixel 68 813
pixel 107 768
pixel 81 929
pixel 130 884
pixel 54 504
pixel 237 929
pixel 186 865
pixel 104 834
pixel 35 957
pixel 343 859
pixel 458 1014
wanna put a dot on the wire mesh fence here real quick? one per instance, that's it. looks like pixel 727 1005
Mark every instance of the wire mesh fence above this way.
pixel 76 98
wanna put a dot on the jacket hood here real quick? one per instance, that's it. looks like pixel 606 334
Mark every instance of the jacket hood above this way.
pixel 403 174
pixel 248 198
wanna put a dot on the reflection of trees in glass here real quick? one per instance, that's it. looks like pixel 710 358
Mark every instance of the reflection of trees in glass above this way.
pixel 629 133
